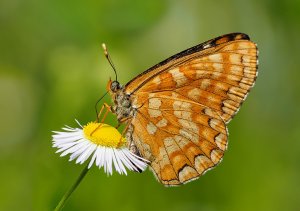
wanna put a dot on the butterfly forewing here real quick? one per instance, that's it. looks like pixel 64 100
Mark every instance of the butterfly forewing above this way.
pixel 183 104
pixel 220 80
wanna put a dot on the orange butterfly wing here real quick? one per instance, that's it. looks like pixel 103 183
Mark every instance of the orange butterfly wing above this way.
pixel 184 103
pixel 181 138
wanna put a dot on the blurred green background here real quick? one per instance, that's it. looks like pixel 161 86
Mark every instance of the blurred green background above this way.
pixel 53 71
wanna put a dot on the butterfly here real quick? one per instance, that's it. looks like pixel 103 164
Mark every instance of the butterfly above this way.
pixel 176 112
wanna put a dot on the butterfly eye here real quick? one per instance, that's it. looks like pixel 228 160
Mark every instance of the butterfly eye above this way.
pixel 115 86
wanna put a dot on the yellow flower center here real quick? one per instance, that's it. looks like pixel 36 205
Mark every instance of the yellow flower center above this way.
pixel 103 134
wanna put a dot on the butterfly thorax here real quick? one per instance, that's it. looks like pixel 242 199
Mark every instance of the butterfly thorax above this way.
pixel 122 102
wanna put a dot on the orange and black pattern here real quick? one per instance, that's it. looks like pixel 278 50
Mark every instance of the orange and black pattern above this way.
pixel 182 106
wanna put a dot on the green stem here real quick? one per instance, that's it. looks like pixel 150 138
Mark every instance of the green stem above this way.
pixel 70 191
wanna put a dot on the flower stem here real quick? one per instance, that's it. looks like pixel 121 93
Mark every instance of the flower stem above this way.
pixel 71 190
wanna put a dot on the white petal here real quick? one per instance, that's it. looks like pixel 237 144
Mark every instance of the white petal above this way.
pixel 63 147
pixel 84 156
pixel 116 165
pixel 78 123
pixel 108 160
pixel 78 145
pixel 120 163
pixel 140 158
pixel 135 159
pixel 126 161
pixel 67 128
pixel 93 158
pixel 64 135
pixel 79 151
pixel 101 155
pixel 98 156
pixel 61 144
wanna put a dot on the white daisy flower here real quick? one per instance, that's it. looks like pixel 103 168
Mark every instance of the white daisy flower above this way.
pixel 101 141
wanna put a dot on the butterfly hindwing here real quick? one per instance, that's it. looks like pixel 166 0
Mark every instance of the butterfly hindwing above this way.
pixel 181 139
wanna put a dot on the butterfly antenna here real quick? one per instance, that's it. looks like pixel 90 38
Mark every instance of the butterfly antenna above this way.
pixel 96 105
pixel 109 59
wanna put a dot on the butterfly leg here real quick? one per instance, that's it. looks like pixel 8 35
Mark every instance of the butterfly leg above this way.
pixel 126 127
pixel 118 125
pixel 128 120
pixel 108 109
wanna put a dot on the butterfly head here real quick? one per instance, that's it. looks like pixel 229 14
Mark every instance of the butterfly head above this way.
pixel 113 86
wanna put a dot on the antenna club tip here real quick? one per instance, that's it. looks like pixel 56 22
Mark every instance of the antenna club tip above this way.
pixel 104 48
pixel 108 58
